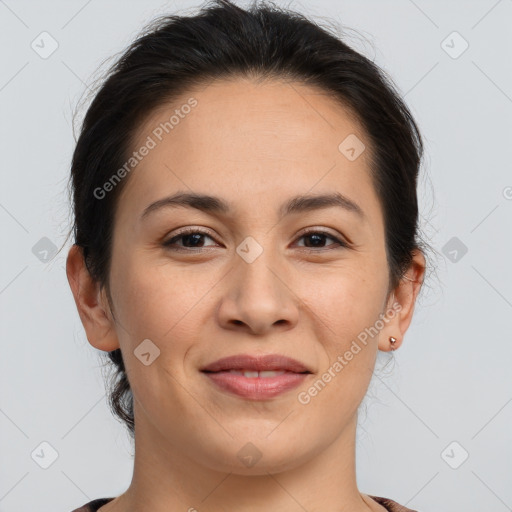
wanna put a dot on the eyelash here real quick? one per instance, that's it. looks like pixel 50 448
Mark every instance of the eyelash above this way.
pixel 170 244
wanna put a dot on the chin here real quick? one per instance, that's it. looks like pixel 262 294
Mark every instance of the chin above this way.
pixel 256 455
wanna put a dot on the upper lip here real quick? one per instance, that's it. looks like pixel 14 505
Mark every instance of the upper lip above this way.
pixel 257 363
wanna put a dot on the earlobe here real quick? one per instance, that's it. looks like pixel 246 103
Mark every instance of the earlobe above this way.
pixel 390 337
pixel 90 302
pixel 402 302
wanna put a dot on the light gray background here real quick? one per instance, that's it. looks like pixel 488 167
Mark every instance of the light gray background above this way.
pixel 451 380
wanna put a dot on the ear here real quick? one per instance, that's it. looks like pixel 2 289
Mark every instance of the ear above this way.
pixel 91 302
pixel 400 304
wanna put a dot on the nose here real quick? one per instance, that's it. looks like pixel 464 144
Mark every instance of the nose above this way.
pixel 259 297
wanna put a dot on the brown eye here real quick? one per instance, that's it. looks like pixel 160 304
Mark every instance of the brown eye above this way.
pixel 317 238
pixel 191 238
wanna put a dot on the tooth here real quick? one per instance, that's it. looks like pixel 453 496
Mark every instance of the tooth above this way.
pixel 271 373
pixel 251 374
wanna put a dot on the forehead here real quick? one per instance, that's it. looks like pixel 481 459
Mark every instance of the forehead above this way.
pixel 251 141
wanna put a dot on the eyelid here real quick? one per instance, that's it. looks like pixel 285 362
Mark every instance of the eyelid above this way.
pixel 190 230
pixel 341 241
pixel 320 229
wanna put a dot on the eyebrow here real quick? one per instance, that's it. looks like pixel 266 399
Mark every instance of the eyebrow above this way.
pixel 216 205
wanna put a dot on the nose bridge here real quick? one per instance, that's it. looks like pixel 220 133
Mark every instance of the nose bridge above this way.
pixel 258 295
pixel 257 268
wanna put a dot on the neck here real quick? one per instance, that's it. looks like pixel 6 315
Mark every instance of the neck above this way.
pixel 168 478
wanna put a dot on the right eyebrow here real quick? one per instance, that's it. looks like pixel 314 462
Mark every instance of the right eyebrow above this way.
pixel 297 204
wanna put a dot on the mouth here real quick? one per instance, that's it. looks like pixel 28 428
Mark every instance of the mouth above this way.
pixel 250 363
pixel 256 377
pixel 254 374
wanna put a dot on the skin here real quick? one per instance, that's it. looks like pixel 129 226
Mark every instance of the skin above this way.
pixel 255 145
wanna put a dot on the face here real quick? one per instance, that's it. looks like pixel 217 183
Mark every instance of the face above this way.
pixel 247 279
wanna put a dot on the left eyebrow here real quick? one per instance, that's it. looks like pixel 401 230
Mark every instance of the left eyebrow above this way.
pixel 298 204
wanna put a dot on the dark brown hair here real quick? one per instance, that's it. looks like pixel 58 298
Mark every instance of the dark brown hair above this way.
pixel 222 40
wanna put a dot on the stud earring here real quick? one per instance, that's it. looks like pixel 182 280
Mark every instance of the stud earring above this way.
pixel 392 341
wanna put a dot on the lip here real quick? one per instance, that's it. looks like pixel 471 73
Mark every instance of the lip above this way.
pixel 257 363
pixel 256 388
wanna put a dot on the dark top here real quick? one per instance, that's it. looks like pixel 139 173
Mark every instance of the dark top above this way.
pixel 390 505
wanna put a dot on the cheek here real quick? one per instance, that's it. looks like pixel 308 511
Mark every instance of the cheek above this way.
pixel 346 305
pixel 156 303
pixel 153 298
pixel 163 303
pixel 345 301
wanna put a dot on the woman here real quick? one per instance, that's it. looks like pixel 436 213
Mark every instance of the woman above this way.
pixel 246 239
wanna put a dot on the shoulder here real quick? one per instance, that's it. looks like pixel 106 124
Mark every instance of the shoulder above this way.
pixel 93 506
pixel 390 505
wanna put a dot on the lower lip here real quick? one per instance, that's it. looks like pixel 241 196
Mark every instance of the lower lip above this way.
pixel 256 388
